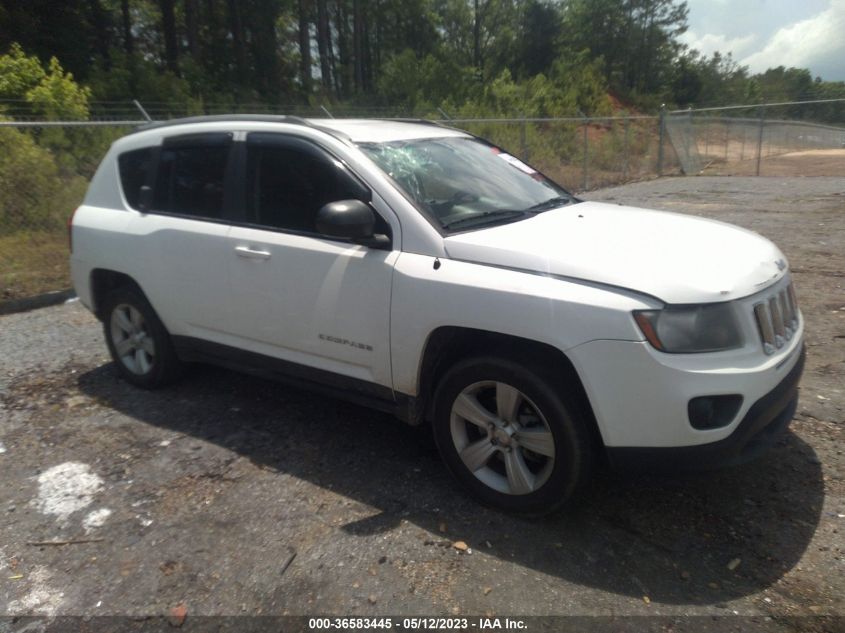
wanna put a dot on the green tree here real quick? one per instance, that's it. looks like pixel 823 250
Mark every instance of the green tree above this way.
pixel 58 96
pixel 53 94
pixel 19 73
pixel 541 23
pixel 708 81
pixel 636 39
pixel 48 29
pixel 422 85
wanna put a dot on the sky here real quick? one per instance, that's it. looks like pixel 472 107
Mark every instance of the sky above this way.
pixel 765 34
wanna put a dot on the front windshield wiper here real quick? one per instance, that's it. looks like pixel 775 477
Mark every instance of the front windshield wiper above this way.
pixel 497 215
pixel 551 203
pixel 486 217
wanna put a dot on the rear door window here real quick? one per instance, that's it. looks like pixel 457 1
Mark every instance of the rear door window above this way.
pixel 191 175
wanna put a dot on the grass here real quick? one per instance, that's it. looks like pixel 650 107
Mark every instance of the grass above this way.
pixel 32 263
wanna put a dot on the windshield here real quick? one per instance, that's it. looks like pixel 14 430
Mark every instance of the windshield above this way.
pixel 463 183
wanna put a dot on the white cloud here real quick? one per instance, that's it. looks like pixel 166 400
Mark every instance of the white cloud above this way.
pixel 817 43
pixel 709 43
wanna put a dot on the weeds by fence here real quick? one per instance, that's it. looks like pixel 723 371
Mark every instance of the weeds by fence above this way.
pixel 45 165
pixel 44 171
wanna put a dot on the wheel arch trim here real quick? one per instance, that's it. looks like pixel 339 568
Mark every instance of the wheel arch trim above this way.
pixel 447 345
pixel 105 280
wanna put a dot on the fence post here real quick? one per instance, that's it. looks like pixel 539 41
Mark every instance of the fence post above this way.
pixel 661 135
pixel 625 149
pixel 523 137
pixel 760 140
pixel 585 180
pixel 690 138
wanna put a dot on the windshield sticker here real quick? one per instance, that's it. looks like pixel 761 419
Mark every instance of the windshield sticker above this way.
pixel 513 160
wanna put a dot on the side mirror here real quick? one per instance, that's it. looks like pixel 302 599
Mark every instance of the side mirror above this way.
pixel 351 219
pixel 145 198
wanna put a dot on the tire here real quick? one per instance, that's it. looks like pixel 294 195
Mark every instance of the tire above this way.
pixel 537 455
pixel 139 344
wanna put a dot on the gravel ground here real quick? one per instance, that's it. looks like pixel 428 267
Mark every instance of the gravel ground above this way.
pixel 229 495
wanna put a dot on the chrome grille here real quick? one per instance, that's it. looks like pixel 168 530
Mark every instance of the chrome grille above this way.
pixel 777 319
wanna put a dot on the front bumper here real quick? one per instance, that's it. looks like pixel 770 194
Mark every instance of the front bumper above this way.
pixel 762 425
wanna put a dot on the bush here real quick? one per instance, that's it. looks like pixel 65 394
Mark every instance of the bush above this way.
pixel 35 196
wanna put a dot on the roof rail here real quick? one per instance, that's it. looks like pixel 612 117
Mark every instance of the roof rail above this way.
pixel 441 124
pixel 222 118
pixel 414 120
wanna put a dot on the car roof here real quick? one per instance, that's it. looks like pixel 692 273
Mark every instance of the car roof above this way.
pixel 355 130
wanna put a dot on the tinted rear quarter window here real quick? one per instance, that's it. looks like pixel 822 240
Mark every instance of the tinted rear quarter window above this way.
pixel 134 168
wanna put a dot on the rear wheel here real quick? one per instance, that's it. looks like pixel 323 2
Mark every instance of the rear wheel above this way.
pixel 138 341
pixel 508 435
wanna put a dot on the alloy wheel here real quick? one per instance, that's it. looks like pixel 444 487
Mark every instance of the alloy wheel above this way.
pixel 133 343
pixel 502 437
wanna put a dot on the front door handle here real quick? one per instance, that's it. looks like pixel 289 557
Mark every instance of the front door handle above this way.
pixel 249 253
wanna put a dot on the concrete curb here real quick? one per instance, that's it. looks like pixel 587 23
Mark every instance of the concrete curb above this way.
pixel 38 301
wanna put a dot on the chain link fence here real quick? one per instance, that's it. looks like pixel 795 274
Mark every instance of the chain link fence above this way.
pixel 44 172
pixel 784 139
pixel 581 153
pixel 45 165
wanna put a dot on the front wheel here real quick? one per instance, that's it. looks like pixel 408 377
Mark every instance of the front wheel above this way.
pixel 509 437
pixel 138 341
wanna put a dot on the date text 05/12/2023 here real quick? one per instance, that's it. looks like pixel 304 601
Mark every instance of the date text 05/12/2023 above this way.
pixel 416 624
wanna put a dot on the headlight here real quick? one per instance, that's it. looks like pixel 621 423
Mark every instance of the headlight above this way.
pixel 690 329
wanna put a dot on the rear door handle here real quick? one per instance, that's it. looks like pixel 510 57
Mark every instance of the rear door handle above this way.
pixel 249 253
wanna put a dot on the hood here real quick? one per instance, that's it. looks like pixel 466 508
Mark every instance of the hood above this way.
pixel 675 258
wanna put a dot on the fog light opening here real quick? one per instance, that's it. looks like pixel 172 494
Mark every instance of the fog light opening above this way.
pixel 713 412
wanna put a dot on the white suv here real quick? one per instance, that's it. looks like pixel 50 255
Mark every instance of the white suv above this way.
pixel 423 271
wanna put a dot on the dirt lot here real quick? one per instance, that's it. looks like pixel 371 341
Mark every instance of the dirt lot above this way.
pixel 816 162
pixel 230 495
